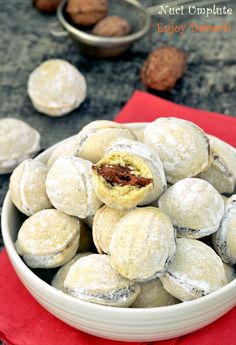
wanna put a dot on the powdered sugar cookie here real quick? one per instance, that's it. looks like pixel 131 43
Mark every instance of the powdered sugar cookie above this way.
pixel 27 187
pixel 105 221
pixel 140 149
pixel 224 240
pixel 69 187
pixel 194 207
pixel 143 244
pixel 195 271
pixel 124 180
pixel 94 138
pixel 18 141
pixel 60 276
pixel 222 171
pixel 182 147
pixel 56 87
pixel 48 239
pixel 93 279
pixel 152 294
pixel 66 149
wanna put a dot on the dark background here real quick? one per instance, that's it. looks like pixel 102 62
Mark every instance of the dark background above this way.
pixel 209 81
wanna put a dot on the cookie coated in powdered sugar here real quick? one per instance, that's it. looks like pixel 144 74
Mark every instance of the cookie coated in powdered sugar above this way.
pixel 69 187
pixel 195 271
pixel 140 149
pixel 182 147
pixel 94 138
pixel 53 260
pixel 47 232
pixel 93 279
pixel 18 141
pixel 222 171
pixel 56 87
pixel 224 240
pixel 152 294
pixel 27 187
pixel 65 149
pixel 105 221
pixel 60 276
pixel 143 244
pixel 123 195
pixel 197 199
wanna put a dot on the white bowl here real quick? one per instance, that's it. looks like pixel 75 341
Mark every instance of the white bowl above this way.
pixel 110 322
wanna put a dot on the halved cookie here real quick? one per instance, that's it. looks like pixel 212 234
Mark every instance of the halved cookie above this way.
pixel 140 149
pixel 124 180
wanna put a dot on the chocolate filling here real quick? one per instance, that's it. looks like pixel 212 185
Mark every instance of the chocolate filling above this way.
pixel 121 175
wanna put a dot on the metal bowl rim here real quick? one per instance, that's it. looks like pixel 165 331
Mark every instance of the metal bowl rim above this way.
pixel 93 39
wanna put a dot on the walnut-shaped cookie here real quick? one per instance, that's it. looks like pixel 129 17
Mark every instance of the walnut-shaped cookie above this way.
pixel 195 271
pixel 182 146
pixel 27 187
pixel 69 187
pixel 65 149
pixel 194 207
pixel 222 171
pixel 123 179
pixel 143 244
pixel 49 238
pixel 60 276
pixel 224 240
pixel 152 294
pixel 18 141
pixel 56 87
pixel 104 223
pixel 93 139
pixel 140 149
pixel 93 279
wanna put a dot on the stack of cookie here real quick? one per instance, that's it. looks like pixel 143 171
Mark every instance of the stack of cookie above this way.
pixel 162 232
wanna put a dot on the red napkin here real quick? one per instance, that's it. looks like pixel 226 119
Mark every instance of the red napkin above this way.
pixel 24 322
pixel 145 107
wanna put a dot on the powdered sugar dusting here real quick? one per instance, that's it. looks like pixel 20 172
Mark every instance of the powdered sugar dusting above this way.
pixel 57 84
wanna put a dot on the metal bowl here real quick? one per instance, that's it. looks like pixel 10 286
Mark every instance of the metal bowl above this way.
pixel 88 43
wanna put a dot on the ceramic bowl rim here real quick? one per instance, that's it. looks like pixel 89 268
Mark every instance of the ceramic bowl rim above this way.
pixel 48 289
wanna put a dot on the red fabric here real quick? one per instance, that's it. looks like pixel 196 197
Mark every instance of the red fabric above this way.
pixel 145 107
pixel 24 322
